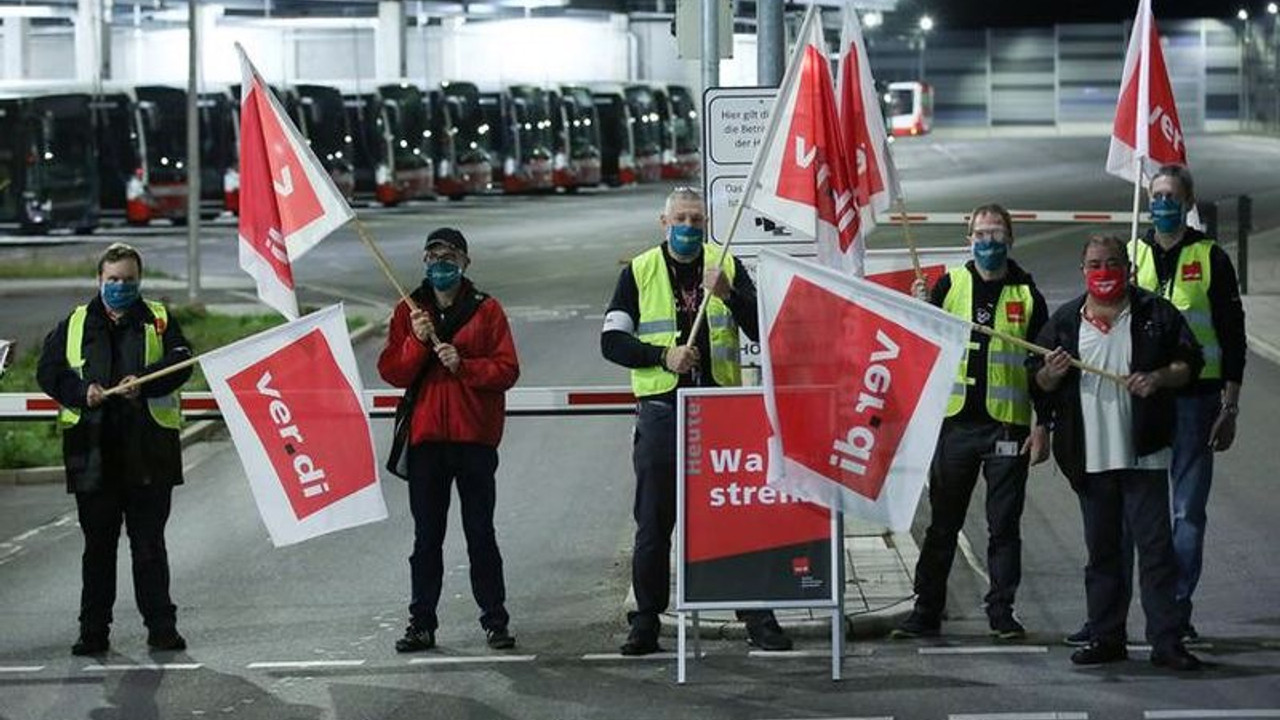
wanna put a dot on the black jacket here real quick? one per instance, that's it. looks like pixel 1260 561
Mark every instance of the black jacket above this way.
pixel 1160 336
pixel 118 443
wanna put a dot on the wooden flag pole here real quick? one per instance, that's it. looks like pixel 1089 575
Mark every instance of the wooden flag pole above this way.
pixel 1137 197
pixel 381 259
pixel 122 387
pixel 911 240
pixel 1040 350
pixel 724 255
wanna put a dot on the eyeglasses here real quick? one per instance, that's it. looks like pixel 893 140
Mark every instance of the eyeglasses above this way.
pixel 997 235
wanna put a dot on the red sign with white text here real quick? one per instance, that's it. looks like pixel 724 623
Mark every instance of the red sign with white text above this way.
pixel 743 538
pixel 310 421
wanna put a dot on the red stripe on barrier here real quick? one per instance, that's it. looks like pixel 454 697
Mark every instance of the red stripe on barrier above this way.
pixel 1023 216
pixel 1104 217
pixel 601 398
pixel 41 404
pixel 386 401
pixel 199 404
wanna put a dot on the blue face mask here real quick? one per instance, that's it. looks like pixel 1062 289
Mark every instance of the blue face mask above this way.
pixel 443 275
pixel 119 295
pixel 684 240
pixel 990 255
pixel 1167 214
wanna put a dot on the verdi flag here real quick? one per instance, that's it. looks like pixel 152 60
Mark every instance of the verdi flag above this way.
pixel 288 203
pixel 1146 133
pixel 856 379
pixel 873 178
pixel 802 176
pixel 293 402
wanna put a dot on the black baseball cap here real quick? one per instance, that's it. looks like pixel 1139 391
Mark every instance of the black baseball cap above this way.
pixel 449 236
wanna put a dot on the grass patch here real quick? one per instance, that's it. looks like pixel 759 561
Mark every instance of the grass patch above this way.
pixel 35 443
pixel 36 268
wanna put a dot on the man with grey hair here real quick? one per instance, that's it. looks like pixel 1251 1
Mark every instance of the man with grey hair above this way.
pixel 645 329
pixel 1192 271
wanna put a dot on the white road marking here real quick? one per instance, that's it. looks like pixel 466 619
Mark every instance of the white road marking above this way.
pixel 303 664
pixel 1206 714
pixel 21 669
pixel 472 659
pixel 786 654
pixel 126 667
pixel 607 657
pixel 985 650
pixel 1023 716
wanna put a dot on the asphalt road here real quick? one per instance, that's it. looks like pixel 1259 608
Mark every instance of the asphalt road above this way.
pixel 307 631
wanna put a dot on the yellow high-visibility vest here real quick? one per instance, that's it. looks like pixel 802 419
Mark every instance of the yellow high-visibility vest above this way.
pixel 658 325
pixel 1008 397
pixel 1188 291
pixel 164 410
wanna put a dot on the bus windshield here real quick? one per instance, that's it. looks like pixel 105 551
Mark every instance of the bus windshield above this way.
pixel 164 127
pixel 584 131
pixel 473 130
pixel 326 122
pixel 645 120
pixel 684 119
pixel 533 116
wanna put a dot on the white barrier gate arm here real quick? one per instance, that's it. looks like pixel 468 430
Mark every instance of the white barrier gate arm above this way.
pixel 521 402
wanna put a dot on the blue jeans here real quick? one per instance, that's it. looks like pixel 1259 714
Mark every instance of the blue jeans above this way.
pixel 1190 475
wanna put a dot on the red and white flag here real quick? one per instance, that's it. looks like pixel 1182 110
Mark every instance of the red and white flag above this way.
pixel 802 177
pixel 293 401
pixel 288 203
pixel 874 179
pixel 894 269
pixel 1146 129
pixel 856 379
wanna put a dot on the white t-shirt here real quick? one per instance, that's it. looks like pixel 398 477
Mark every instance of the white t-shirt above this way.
pixel 1105 405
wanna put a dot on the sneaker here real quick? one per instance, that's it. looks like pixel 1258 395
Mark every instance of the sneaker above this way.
pixel 91 643
pixel 1175 658
pixel 1004 626
pixel 768 636
pixel 167 640
pixel 641 642
pixel 416 640
pixel 1098 653
pixel 499 639
pixel 917 625
pixel 1079 638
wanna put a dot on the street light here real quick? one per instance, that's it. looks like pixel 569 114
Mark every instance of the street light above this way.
pixel 873 20
pixel 1242 14
pixel 925 24
pixel 1272 8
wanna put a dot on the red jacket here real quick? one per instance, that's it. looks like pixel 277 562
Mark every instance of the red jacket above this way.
pixel 469 406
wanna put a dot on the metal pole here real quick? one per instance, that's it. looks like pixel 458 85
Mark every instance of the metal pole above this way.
pixel 1244 224
pixel 771 44
pixel 710 43
pixel 193 152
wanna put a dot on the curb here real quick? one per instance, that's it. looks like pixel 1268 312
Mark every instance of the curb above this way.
pixel 193 433
pixel 1266 349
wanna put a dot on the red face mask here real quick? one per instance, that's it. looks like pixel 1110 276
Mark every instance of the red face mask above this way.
pixel 1105 284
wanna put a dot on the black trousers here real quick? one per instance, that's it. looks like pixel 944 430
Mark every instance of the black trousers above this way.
pixel 964 450
pixel 433 467
pixel 143 510
pixel 654 458
pixel 1140 499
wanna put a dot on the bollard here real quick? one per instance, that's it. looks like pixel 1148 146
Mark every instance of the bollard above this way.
pixel 1244 223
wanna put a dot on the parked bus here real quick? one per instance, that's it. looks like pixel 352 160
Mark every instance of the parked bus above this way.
pixel 527 109
pixel 576 127
pixel 453 179
pixel 472 138
pixel 910 108
pixel 406 149
pixel 651 134
pixel 219 151
pixel 685 131
pixel 48 163
pixel 163 114
pixel 617 140
pixel 320 113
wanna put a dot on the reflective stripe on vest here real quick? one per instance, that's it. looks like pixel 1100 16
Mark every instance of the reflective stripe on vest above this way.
pixel 1008 399
pixel 658 324
pixel 1188 291
pixel 164 410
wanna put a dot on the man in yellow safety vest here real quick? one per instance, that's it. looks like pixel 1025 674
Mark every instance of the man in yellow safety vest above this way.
pixel 121 451
pixel 645 329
